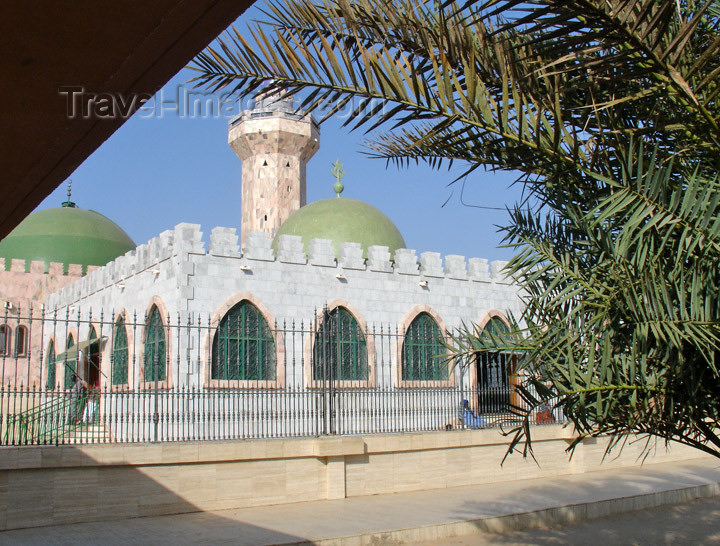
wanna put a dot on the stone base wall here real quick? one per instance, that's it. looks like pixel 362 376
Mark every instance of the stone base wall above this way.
pixel 48 485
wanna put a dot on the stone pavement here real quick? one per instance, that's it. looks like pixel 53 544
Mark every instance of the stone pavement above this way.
pixel 692 523
pixel 407 517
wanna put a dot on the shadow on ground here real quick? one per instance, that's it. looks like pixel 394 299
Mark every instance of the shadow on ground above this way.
pixel 697 522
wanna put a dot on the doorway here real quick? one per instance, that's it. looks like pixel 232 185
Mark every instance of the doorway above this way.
pixel 92 363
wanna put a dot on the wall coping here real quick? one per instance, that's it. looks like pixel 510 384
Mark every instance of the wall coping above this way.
pixel 65 456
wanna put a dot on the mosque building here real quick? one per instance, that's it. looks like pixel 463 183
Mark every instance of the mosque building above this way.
pixel 310 293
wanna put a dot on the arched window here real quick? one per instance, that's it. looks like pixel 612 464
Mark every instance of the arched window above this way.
pixel 493 373
pixel 340 352
pixel 243 346
pixel 5 340
pixel 50 367
pixel 496 327
pixel 69 363
pixel 155 355
pixel 21 341
pixel 119 372
pixel 421 344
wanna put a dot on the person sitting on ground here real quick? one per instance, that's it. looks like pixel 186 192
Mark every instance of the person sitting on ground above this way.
pixel 469 418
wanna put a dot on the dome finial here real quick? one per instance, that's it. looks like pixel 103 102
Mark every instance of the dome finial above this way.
pixel 69 203
pixel 338 173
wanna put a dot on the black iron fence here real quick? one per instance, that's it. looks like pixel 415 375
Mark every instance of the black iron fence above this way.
pixel 106 378
pixel 193 414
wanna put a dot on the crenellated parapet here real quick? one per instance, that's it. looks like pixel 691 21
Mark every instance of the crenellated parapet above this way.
pixel 224 242
pixel 290 249
pixel 320 253
pixel 184 239
pixel 25 284
pixel 39 267
pixel 183 246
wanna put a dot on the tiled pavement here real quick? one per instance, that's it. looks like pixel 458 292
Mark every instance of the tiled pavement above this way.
pixel 405 517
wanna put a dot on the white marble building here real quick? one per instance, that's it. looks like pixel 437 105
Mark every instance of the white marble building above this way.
pixel 193 288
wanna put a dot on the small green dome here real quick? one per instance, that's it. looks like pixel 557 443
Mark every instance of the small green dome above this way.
pixel 342 220
pixel 67 235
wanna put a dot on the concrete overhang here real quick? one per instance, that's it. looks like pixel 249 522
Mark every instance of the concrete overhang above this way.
pixel 125 48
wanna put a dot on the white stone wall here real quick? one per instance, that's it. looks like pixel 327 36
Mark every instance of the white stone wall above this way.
pixel 191 284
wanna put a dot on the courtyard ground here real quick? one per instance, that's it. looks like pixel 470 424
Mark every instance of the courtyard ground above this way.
pixel 692 523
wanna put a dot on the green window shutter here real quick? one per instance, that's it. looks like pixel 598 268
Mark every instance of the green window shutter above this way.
pixel 69 365
pixel 120 354
pixel 243 346
pixel 155 353
pixel 340 351
pixel 421 345
pixel 50 367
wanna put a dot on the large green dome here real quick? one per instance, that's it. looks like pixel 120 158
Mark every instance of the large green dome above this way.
pixel 67 235
pixel 342 220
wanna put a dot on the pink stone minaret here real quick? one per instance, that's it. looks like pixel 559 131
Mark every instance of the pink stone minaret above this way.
pixel 274 144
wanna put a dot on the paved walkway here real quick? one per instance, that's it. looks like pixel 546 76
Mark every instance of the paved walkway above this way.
pixel 406 517
pixel 692 523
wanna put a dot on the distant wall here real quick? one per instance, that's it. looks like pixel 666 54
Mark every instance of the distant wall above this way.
pixel 52 485
pixel 25 286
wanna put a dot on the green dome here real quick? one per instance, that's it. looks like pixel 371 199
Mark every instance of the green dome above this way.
pixel 67 235
pixel 343 220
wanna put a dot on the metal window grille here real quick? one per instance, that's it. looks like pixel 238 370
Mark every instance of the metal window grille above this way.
pixel 340 351
pixel 496 327
pixel 120 354
pixel 69 365
pixel 493 374
pixel 421 348
pixel 50 367
pixel 21 341
pixel 243 346
pixel 155 355
pixel 494 389
pixel 4 339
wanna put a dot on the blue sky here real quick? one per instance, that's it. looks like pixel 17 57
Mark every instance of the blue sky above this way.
pixel 162 168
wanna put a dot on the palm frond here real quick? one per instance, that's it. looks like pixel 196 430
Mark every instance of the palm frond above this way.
pixel 610 111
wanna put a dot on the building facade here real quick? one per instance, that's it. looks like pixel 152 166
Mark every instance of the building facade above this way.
pixel 316 320
pixel 173 277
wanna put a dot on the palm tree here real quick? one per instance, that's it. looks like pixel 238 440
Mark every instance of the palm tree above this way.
pixel 610 111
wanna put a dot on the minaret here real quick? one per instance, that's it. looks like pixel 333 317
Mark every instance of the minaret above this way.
pixel 274 144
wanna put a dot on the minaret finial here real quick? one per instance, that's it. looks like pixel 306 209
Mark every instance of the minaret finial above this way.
pixel 338 173
pixel 69 203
